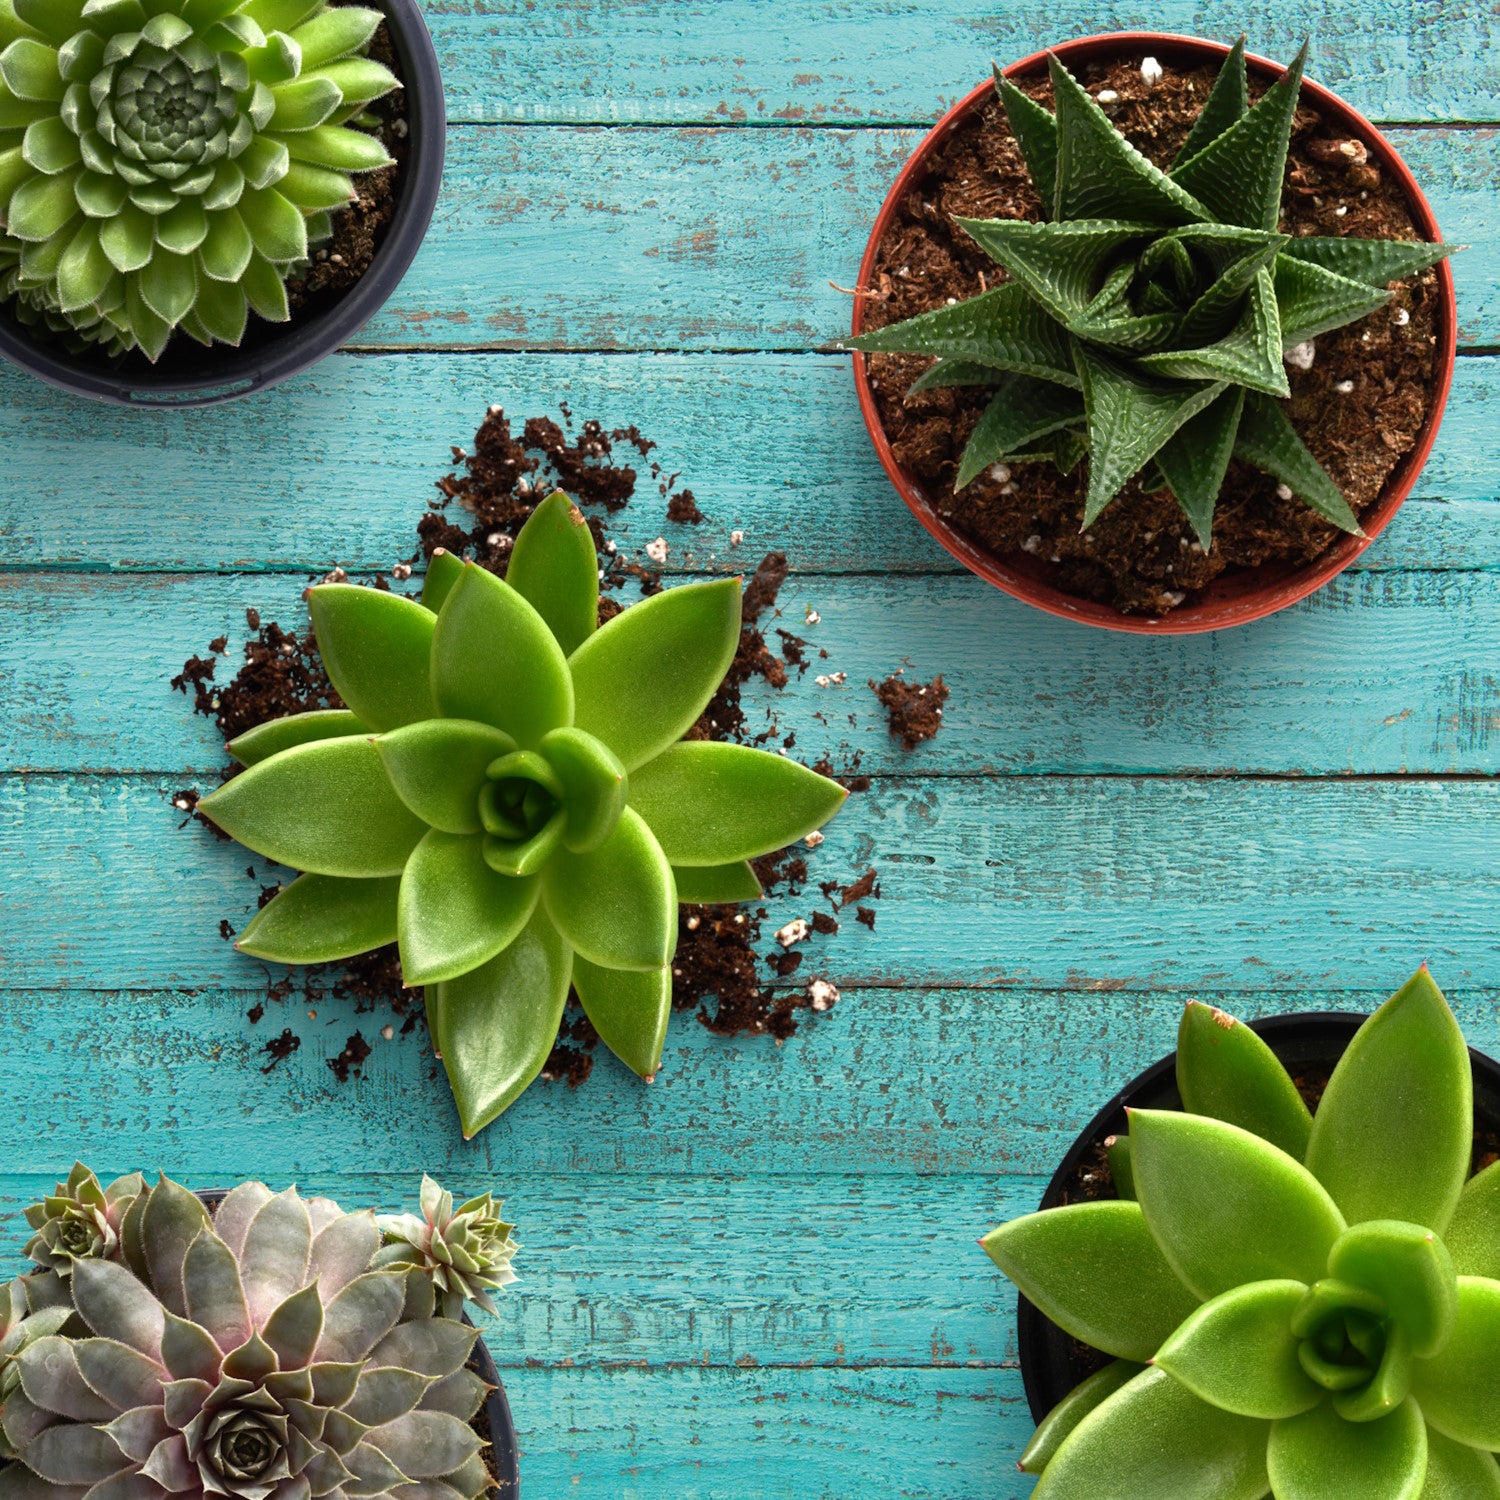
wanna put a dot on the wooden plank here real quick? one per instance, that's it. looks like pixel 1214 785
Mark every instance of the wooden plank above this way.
pixel 1379 673
pixel 337 465
pixel 1044 881
pixel 956 1084
pixel 770 62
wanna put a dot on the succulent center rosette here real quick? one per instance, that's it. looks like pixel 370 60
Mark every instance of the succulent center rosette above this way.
pixel 467 1251
pixel 509 797
pixel 80 1219
pixel 163 162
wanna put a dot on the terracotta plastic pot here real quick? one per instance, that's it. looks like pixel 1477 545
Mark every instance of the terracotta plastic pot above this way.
pixel 503 1457
pixel 1051 1363
pixel 1238 596
pixel 188 374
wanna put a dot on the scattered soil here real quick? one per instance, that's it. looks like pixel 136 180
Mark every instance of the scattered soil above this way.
pixel 1141 555
pixel 720 973
pixel 914 709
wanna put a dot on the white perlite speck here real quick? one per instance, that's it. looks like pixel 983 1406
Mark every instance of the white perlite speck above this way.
pixel 824 996
pixel 1402 317
pixel 1106 96
pixel 832 679
pixel 657 550
pixel 1000 473
pixel 794 932
pixel 811 616
pixel 1151 72
pixel 1344 387
pixel 813 839
pixel 1301 355
pixel 736 537
pixel 1283 492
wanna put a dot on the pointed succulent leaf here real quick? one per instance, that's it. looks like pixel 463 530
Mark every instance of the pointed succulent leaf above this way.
pixel 436 1348
pixel 1459 1387
pixel 426 1444
pixel 1248 355
pixel 52 1380
pixel 1269 441
pixel 1376 263
pixel 1094 1269
pixel 1312 300
pixel 215 1294
pixel 709 803
pixel 955 372
pixel 1455 1471
pixel 629 1009
pixel 1018 414
pixel 74 1455
pixel 1473 1233
pixel 1226 105
pixel 1238 1352
pixel 275 1258
pixel 124 1377
pixel 554 567
pixel 444 569
pixel 1117 1153
pixel 319 919
pixel 1320 1456
pixel 173 1219
pixel 1154 1437
pixel 495 660
pixel 1409 1269
pixel 1238 175
pixel 1058 1424
pixel 1225 1070
pixel 327 808
pixel 1004 328
pixel 644 678
pixel 454 913
pixel 295 1326
pixel 708 884
pixel 376 648
pixel 1393 1134
pixel 494 1027
pixel 1194 462
pixel 616 905
pixel 360 1316
pixel 438 768
pixel 1227 1207
pixel 1035 130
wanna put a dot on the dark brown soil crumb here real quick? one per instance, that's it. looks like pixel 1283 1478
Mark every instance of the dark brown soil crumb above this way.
pixel 1141 555
pixel 914 709
pixel 720 973
pixel 278 1049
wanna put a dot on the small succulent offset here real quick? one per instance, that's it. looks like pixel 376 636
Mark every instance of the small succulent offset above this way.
pixel 255 1353
pixel 81 1220
pixel 164 164
pixel 1144 322
pixel 466 1251
pixel 506 797
pixel 1303 1306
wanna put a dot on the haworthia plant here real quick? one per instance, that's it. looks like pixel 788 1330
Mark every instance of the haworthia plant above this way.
pixel 165 164
pixel 261 1352
pixel 1304 1306
pixel 1144 322
pixel 508 796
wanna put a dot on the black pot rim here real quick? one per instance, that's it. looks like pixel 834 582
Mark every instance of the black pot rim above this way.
pixel 504 1456
pixel 209 376
pixel 1043 1346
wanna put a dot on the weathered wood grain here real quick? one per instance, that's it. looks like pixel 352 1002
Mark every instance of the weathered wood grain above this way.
pixel 776 62
pixel 337 465
pixel 1379 673
pixel 1046 881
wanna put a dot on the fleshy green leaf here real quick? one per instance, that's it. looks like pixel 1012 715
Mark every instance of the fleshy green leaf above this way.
pixel 1249 355
pixel 1154 1438
pixel 277 226
pixel 1456 1471
pixel 1019 413
pixel 454 913
pixel 376 648
pixel 1375 262
pixel 315 188
pixel 642 680
pixel 495 660
pixel 710 803
pixel 320 918
pixel 41 207
pixel 444 569
pixel 1312 300
pixel 223 310
pixel 1227 1207
pixel 494 1027
pixel 1409 1269
pixel 334 33
pixel 1320 1456
pixel 438 768
pixel 169 285
pixel 1268 440
pixel 276 735
pixel 1094 1269
pixel 338 148
pixel 1003 328
pixel 1459 1387
pixel 1473 1233
pixel 629 1009
pixel 1117 1153
pixel 1225 1070
pixel 616 905
pixel 30 70
pixel 707 884
pixel 1393 1134
pixel 1238 1352
pixel 1059 1423
pixel 304 102
pixel 1227 102
pixel 327 808
pixel 554 567
pixel 595 786
pixel 1195 461
pixel 1035 130
pixel 955 372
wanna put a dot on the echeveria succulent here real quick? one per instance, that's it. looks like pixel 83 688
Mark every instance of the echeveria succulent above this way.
pixel 1300 1306
pixel 81 1219
pixel 164 162
pixel 508 796
pixel 1144 322
pixel 253 1355
pixel 466 1250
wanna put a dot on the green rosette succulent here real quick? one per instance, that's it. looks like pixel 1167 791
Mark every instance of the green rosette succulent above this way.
pixel 163 163
pixel 250 1355
pixel 508 796
pixel 1145 321
pixel 81 1219
pixel 466 1250
pixel 1299 1306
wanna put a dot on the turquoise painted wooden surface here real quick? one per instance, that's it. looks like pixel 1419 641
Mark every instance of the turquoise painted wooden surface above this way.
pixel 756 1278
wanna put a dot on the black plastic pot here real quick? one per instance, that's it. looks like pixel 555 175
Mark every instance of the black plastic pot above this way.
pixel 503 1457
pixel 188 374
pixel 1052 1363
